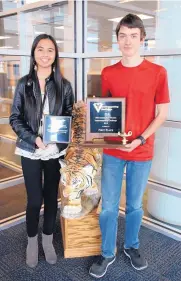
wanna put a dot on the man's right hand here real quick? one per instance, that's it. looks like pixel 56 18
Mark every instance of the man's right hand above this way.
pixel 39 143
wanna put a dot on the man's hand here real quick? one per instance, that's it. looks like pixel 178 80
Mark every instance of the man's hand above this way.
pixel 39 143
pixel 131 146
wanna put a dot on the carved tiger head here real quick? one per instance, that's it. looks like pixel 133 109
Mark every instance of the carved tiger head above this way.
pixel 76 180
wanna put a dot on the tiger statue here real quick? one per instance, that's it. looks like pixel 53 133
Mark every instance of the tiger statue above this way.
pixel 79 170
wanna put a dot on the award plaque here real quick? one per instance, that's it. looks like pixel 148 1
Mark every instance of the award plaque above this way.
pixel 105 122
pixel 56 129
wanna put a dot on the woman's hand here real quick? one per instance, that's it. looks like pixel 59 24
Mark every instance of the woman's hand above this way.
pixel 39 143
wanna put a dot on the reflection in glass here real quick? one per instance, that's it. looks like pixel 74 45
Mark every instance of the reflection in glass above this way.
pixel 6 131
pixel 103 19
pixel 7 5
pixel 7 148
pixel 18 31
pixel 12 68
pixel 9 33
pixel 166 167
pixel 67 69
pixel 94 68
pixel 157 17
pixel 172 64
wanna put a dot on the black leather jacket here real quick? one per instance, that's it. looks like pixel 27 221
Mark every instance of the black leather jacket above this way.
pixel 26 109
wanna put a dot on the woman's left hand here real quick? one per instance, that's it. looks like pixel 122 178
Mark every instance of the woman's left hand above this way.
pixel 131 146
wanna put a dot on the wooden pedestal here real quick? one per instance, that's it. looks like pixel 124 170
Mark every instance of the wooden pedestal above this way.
pixel 81 237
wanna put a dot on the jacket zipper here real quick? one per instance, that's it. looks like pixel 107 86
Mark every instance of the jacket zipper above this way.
pixel 46 88
pixel 34 92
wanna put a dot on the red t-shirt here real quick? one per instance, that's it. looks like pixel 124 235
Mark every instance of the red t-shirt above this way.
pixel 143 86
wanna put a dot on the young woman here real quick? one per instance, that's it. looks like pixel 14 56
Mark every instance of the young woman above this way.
pixel 42 91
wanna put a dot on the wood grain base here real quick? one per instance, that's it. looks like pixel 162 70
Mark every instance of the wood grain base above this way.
pixel 103 144
pixel 81 237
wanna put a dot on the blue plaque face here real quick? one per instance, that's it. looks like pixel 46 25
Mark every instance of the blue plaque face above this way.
pixel 56 129
pixel 105 117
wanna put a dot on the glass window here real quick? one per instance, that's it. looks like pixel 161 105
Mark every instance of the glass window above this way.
pixel 94 67
pixel 6 131
pixel 166 163
pixel 11 69
pixel 157 17
pixel 67 68
pixel 7 149
pixel 172 65
pixel 9 38
pixel 18 31
pixel 7 5
pixel 14 67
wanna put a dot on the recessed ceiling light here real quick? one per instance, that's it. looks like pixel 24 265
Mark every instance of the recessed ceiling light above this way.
pixel 59 27
pixel 115 19
pixel 39 32
pixel 125 1
pixel 145 17
pixel 141 16
pixel 92 38
pixel 160 10
pixel 31 1
pixel 6 47
pixel 4 37
pixel 59 41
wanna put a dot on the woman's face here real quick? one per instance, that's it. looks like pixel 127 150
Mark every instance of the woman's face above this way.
pixel 44 53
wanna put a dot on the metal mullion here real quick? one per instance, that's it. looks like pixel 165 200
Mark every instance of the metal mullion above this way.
pixel 165 188
pixel 81 55
pixel 84 48
pixel 79 46
pixel 4 120
pixel 172 124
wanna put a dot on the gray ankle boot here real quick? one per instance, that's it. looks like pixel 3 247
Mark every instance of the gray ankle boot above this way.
pixel 48 248
pixel 32 251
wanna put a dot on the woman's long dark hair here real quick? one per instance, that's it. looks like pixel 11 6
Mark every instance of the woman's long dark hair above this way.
pixel 55 67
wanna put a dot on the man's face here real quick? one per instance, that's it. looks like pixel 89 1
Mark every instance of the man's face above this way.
pixel 129 41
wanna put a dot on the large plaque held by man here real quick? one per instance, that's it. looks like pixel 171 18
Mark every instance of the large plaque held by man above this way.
pixel 105 121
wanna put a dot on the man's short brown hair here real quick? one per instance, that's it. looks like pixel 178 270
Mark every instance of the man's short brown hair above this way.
pixel 132 21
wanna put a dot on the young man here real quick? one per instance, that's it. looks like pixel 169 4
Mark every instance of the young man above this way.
pixel 144 85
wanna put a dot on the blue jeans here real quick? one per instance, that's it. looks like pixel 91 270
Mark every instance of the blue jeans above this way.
pixel 137 173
